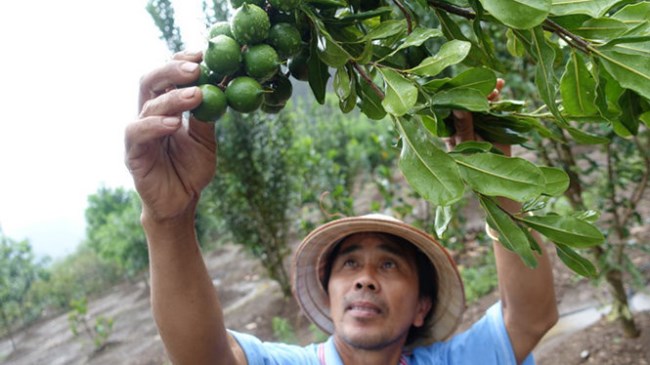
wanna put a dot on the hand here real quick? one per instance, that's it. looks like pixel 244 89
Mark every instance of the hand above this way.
pixel 464 124
pixel 170 162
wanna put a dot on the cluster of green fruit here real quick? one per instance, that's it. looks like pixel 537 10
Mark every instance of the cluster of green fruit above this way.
pixel 241 66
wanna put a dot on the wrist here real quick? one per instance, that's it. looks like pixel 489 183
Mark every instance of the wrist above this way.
pixel 156 228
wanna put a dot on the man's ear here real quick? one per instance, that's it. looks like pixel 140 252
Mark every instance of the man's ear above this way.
pixel 424 306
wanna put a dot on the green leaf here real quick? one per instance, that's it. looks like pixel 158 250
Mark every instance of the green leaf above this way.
pixel 600 28
pixel 348 103
pixel 627 67
pixel 636 16
pixel 427 168
pixel 341 83
pixel 473 146
pixel 401 93
pixel 537 46
pixel 511 235
pixel 496 175
pixel 594 9
pixel 479 78
pixel 569 231
pixel 387 28
pixel 370 101
pixel 444 216
pixel 518 14
pixel 575 262
pixel 477 56
pixel 628 123
pixel 557 181
pixel 328 49
pixel 331 53
pixel 645 118
pixel 583 137
pixel 318 75
pixel 513 44
pixel 578 88
pixel 449 54
pixel 418 36
pixel 461 98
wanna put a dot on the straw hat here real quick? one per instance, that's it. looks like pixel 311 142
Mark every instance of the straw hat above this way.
pixel 309 264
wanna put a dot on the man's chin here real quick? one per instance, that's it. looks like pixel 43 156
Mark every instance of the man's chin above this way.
pixel 367 339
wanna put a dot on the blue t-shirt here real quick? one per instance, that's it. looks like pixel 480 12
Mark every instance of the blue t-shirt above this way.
pixel 485 343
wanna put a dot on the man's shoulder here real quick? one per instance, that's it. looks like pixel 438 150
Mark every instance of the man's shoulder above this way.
pixel 268 352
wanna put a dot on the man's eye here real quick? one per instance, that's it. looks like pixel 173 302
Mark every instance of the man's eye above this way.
pixel 388 264
pixel 349 263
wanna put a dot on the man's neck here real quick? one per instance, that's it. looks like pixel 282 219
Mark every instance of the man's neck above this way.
pixel 388 355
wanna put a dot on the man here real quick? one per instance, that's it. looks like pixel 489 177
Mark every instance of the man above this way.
pixel 387 292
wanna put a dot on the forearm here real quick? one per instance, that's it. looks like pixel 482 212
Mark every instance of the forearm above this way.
pixel 184 301
pixel 527 295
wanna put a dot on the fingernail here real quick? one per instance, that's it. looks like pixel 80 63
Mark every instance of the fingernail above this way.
pixel 188 92
pixel 171 121
pixel 189 66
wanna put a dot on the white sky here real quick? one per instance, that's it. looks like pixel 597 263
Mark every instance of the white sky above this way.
pixel 69 71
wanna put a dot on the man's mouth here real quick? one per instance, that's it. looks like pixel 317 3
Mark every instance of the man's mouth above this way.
pixel 363 309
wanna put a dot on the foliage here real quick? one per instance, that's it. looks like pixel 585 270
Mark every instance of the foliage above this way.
pixel 77 275
pixel 479 278
pixel 79 317
pixel 114 231
pixel 338 154
pixel 283 331
pixel 361 46
pixel 254 188
pixel 19 269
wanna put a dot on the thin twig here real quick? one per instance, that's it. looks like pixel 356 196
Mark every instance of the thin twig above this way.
pixel 407 15
pixel 571 38
pixel 452 9
pixel 365 76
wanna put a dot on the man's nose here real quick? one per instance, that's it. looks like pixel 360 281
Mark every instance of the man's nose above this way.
pixel 366 281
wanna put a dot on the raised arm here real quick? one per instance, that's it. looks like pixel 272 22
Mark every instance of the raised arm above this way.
pixel 171 163
pixel 527 295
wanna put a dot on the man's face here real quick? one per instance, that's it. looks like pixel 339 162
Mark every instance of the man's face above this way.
pixel 373 291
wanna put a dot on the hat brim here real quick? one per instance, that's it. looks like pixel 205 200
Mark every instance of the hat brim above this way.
pixel 309 261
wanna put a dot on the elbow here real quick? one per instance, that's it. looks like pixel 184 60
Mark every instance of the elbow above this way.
pixel 549 321
pixel 544 323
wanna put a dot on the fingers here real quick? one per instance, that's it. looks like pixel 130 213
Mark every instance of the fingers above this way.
pixel 494 95
pixel 464 124
pixel 173 102
pixel 181 70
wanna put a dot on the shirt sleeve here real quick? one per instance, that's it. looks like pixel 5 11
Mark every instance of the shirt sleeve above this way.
pixel 274 353
pixel 486 343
